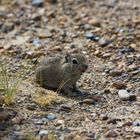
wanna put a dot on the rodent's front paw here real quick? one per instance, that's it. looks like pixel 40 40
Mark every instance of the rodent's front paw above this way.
pixel 68 91
pixel 72 92
pixel 75 89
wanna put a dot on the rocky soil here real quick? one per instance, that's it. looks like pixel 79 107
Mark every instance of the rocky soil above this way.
pixel 108 34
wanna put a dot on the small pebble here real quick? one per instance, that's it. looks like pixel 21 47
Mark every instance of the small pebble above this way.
pixel 92 36
pixel 119 85
pixel 43 134
pixel 136 129
pixel 87 27
pixel 37 42
pixel 113 120
pixel 136 123
pixel 96 98
pixel 91 135
pixel 65 108
pixel 38 3
pixel 124 95
pixel 60 122
pixel 45 121
pixel 126 50
pixel 17 120
pixel 38 122
pixel 87 101
pixel 103 42
pixel 51 117
pixel 106 55
pixel 6 28
pixel 136 71
pixel 111 133
pixel 114 73
pixel 128 124
pixel 103 117
pixel 95 22
pixel 31 106
pixel 97 53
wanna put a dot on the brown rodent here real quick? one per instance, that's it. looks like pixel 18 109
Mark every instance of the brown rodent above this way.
pixel 61 72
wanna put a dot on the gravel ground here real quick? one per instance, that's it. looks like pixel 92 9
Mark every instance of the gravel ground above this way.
pixel 108 33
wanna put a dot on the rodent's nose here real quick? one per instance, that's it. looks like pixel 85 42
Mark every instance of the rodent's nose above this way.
pixel 85 66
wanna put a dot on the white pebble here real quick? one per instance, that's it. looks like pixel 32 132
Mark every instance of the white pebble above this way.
pixel 124 95
pixel 43 133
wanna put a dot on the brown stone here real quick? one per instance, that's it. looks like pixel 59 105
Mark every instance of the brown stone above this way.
pixel 111 133
pixel 87 101
pixel 119 85
pixel 95 22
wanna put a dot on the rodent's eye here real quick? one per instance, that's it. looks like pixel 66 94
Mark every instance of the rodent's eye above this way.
pixel 74 61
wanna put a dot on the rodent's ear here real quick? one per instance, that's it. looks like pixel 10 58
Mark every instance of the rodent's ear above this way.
pixel 67 57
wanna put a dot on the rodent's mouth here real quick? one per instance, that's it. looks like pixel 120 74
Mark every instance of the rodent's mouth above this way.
pixel 83 68
pixel 80 69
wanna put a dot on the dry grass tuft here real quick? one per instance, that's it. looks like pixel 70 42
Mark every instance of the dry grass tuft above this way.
pixel 47 98
pixel 31 137
pixel 51 137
